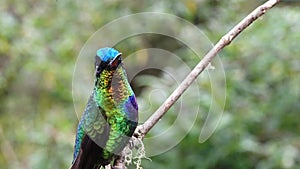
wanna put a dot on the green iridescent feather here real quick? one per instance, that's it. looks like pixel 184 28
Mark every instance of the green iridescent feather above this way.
pixel 110 117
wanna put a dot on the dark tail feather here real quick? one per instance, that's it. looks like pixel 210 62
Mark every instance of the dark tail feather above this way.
pixel 89 156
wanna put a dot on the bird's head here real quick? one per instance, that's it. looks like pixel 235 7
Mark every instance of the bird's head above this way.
pixel 107 59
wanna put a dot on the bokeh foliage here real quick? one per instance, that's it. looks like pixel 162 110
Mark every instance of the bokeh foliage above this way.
pixel 39 43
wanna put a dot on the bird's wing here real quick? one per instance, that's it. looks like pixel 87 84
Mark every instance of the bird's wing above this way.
pixel 91 137
pixel 123 127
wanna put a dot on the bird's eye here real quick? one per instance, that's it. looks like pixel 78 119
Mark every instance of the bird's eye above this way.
pixel 115 62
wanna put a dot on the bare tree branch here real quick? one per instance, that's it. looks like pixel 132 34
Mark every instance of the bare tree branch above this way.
pixel 143 129
pixel 224 41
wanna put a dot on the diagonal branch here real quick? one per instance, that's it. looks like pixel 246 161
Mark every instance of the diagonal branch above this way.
pixel 143 129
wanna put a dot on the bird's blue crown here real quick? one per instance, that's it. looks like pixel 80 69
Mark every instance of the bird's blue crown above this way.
pixel 107 54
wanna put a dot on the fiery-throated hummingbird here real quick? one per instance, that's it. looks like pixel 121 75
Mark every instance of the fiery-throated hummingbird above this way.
pixel 110 117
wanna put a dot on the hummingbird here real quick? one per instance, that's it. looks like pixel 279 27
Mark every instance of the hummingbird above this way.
pixel 110 116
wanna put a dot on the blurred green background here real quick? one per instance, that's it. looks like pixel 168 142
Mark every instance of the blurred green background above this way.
pixel 39 44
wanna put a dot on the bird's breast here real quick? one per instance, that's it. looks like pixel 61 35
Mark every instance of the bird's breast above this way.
pixel 113 93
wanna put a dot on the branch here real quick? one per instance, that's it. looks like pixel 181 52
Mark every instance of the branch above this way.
pixel 143 129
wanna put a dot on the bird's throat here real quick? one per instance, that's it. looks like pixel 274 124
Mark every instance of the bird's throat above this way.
pixel 112 88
